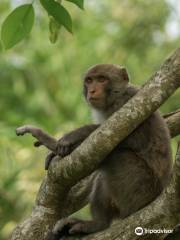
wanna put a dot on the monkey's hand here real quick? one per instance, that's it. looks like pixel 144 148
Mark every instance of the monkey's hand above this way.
pixel 67 144
pixel 72 140
pixel 64 147
pixel 42 137
pixel 26 129
pixel 29 129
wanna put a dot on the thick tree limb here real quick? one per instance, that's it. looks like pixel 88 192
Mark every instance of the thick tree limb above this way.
pixel 173 121
pixel 65 173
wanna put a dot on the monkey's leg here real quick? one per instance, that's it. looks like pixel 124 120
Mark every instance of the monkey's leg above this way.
pixel 101 209
pixel 101 215
pixel 42 137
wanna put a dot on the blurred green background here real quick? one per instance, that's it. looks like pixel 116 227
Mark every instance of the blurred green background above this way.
pixel 40 83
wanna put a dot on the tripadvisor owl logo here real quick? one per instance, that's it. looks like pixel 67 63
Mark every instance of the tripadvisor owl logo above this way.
pixel 140 231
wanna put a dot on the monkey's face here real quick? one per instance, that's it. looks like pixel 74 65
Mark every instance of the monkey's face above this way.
pixel 103 83
pixel 97 88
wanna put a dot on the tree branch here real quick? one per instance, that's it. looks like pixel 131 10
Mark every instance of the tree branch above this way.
pixel 173 122
pixel 65 173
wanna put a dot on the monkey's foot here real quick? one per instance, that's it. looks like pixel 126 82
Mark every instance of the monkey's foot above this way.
pixel 67 226
pixel 23 130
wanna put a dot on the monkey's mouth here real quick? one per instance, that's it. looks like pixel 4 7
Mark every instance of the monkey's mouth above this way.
pixel 94 99
pixel 96 102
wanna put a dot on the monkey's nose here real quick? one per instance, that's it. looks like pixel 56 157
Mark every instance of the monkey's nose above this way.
pixel 92 90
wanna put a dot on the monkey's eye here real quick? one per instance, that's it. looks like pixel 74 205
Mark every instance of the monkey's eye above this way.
pixel 88 80
pixel 102 79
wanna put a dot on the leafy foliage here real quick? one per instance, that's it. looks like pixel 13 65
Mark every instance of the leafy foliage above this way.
pixel 17 25
pixel 59 13
pixel 19 22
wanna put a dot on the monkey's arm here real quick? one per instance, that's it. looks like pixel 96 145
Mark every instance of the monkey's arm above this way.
pixel 63 146
pixel 42 137
pixel 71 140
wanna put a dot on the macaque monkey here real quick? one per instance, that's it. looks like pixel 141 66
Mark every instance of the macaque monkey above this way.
pixel 133 174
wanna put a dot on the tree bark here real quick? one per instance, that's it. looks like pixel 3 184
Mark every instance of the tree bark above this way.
pixel 173 122
pixel 65 175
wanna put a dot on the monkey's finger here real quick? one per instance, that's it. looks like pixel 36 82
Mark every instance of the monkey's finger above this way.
pixel 76 227
pixel 49 159
pixel 38 144
pixel 60 150
pixel 47 163
pixel 64 225
pixel 65 150
pixel 20 131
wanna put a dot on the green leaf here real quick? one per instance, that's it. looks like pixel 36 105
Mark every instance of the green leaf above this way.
pixel 17 25
pixel 54 28
pixel 59 13
pixel 79 3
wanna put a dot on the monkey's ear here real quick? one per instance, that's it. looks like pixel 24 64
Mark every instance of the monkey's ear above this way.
pixel 124 74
